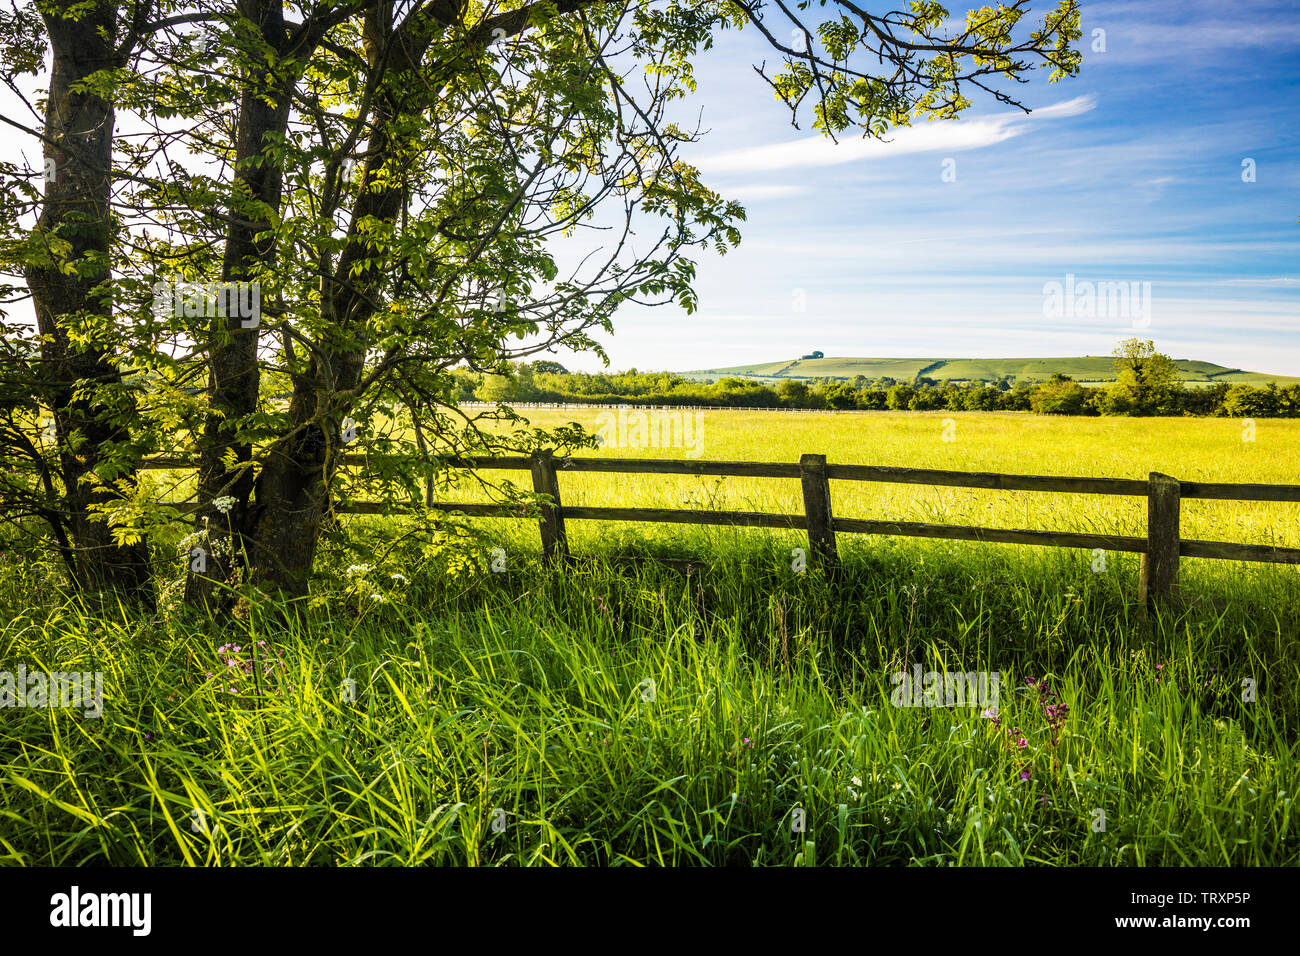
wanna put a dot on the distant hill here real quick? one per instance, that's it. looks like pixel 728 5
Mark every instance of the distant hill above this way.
pixel 1087 368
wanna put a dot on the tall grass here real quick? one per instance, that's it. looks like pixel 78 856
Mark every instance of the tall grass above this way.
pixel 728 711
pixel 510 718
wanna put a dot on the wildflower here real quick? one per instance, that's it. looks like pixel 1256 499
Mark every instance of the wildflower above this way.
pixel 223 504
pixel 399 579
pixel 1022 743
pixel 1024 775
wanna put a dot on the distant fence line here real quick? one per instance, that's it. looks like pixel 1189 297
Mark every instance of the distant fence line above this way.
pixel 1161 548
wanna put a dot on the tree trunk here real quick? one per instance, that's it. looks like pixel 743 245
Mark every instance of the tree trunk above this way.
pixel 291 500
pixel 79 126
pixel 294 485
pixel 233 378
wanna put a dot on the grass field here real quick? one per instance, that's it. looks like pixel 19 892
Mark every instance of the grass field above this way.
pixel 1199 449
pixel 737 713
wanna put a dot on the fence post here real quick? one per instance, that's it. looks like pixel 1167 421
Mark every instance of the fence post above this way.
pixel 546 482
pixel 817 508
pixel 1158 579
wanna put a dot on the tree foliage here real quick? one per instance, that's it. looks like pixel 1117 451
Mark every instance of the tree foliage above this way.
pixel 418 190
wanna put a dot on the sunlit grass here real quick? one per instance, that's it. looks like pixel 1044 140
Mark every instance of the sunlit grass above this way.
pixel 505 718
pixel 522 698
pixel 1191 449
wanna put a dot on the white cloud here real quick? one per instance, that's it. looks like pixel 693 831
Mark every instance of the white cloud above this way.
pixel 939 136
pixel 1285 282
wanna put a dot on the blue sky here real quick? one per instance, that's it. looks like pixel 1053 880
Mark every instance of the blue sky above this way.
pixel 1130 172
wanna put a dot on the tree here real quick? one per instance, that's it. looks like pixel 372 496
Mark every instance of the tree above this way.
pixel 1245 401
pixel 497 388
pixel 793 393
pixel 981 399
pixel 67 365
pixel 1059 395
pixel 926 400
pixel 1015 400
pixel 394 182
pixel 1205 400
pixel 840 397
pixel 1289 401
pixel 1146 381
pixel 873 399
pixel 899 397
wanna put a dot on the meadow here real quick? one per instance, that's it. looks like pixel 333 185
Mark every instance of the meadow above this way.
pixel 1190 449
pixel 431 708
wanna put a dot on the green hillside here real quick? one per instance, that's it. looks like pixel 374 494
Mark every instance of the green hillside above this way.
pixel 1087 368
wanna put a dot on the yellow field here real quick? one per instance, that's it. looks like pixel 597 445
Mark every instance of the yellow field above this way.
pixel 1188 448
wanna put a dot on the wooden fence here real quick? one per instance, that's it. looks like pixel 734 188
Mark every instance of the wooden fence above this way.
pixel 1161 548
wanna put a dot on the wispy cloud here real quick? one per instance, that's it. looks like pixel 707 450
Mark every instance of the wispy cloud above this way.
pixel 941 136
pixel 1208 34
pixel 1284 282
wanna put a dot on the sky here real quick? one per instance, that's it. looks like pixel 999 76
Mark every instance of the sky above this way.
pixel 1170 164
pixel 1132 172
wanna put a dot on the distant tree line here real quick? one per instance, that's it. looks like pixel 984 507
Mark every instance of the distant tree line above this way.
pixel 1146 383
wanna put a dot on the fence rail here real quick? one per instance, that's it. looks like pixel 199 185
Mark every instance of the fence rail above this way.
pixel 1161 548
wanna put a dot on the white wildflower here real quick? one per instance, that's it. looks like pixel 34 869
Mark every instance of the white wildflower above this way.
pixel 223 504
